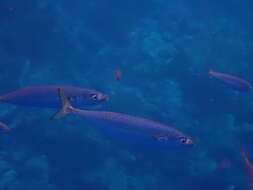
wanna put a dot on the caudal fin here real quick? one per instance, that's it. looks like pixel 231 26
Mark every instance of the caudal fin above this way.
pixel 66 107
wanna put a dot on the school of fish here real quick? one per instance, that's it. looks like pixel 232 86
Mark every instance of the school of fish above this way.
pixel 130 129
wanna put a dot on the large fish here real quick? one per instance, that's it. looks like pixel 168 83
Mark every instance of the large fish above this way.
pixel 232 81
pixel 127 127
pixel 47 96
pixel 248 167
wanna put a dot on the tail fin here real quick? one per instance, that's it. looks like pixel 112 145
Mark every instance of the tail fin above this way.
pixel 66 107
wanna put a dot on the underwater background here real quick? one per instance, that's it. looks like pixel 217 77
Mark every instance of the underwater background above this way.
pixel 164 50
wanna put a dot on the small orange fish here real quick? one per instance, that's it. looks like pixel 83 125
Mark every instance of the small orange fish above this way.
pixel 117 74
pixel 224 163
pixel 248 167
pixel 4 127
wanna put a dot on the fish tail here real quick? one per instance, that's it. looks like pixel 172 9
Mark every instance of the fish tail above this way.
pixel 66 106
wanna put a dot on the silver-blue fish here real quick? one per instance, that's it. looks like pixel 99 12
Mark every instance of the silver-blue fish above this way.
pixel 47 96
pixel 129 127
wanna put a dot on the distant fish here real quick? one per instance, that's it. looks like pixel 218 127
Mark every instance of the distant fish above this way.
pixel 4 128
pixel 47 96
pixel 129 128
pixel 224 163
pixel 248 167
pixel 117 74
pixel 232 81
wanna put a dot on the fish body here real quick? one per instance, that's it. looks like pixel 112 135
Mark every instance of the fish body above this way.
pixel 232 81
pixel 129 127
pixel 47 96
pixel 248 167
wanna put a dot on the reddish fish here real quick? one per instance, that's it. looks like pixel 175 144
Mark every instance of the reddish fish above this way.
pixel 117 74
pixel 232 81
pixel 4 127
pixel 224 163
pixel 47 96
pixel 248 167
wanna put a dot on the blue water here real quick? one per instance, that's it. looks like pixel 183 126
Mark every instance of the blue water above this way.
pixel 164 49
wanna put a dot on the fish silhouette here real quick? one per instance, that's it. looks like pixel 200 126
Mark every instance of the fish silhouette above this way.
pixel 248 167
pixel 231 81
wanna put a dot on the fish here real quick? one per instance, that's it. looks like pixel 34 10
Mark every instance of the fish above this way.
pixel 4 128
pixel 117 74
pixel 231 80
pixel 248 167
pixel 127 127
pixel 224 163
pixel 47 96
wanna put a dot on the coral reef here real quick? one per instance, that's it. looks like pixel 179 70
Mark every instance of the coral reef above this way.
pixel 163 49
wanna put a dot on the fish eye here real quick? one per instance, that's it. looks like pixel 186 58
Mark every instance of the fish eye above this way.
pixel 94 97
pixel 186 140
pixel 183 140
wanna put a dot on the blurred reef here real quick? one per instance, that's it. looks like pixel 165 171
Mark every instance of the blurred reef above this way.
pixel 164 49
